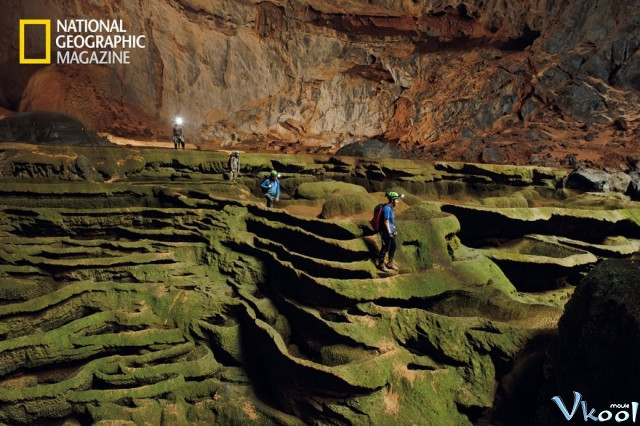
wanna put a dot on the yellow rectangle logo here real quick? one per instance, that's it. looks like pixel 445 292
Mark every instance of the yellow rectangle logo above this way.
pixel 47 42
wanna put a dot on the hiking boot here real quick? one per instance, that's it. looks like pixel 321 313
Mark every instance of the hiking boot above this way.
pixel 392 265
pixel 381 266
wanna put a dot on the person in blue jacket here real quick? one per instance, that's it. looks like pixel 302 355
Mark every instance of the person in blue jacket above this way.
pixel 388 233
pixel 271 188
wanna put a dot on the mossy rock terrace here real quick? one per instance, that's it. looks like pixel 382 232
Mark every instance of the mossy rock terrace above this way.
pixel 144 288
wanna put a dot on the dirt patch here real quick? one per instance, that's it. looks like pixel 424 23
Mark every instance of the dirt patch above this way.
pixel 391 402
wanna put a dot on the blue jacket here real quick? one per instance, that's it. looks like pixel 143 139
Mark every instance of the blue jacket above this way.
pixel 271 187
pixel 388 214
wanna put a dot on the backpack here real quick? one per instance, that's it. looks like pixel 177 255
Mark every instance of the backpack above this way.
pixel 262 188
pixel 229 162
pixel 376 221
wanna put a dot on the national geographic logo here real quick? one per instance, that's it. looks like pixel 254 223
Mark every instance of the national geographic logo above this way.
pixel 47 49
pixel 83 41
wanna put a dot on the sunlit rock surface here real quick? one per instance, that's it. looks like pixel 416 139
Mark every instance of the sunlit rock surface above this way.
pixel 162 292
pixel 500 82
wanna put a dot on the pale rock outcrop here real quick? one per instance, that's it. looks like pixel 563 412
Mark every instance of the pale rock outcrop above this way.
pixel 620 182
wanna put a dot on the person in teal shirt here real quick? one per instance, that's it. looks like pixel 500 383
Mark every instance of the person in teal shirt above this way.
pixel 271 188
pixel 388 233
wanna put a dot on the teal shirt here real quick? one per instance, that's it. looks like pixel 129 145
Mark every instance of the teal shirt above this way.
pixel 388 213
pixel 274 190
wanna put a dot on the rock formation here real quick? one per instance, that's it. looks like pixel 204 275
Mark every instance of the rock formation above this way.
pixel 47 127
pixel 140 285
pixel 596 346
pixel 499 82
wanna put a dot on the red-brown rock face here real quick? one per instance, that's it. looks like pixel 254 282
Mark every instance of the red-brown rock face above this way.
pixel 493 81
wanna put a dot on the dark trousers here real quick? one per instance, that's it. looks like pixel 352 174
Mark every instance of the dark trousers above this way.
pixel 388 246
pixel 270 199
pixel 177 141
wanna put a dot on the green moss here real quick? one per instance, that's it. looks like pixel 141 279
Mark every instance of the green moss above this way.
pixel 226 339
pixel 347 205
pixel 146 411
pixel 203 366
pixel 515 201
pixel 426 211
pixel 17 289
pixel 399 287
pixel 149 391
pixel 631 214
pixel 537 247
pixel 325 189
pixel 342 354
pixel 308 243
pixel 481 271
pixel 423 237
pixel 291 184
pixel 597 201
pixel 164 269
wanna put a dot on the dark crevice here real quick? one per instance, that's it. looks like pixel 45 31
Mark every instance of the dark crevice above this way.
pixel 519 384
pixel 473 412
pixel 480 226
pixel 527 38
pixel 355 27
pixel 542 277
pixel 463 13
pixel 454 25
pixel 304 243
pixel 320 228
pixel 421 345
pixel 612 74
pixel 427 304
pixel 394 174
pixel 334 316
pixel 311 265
pixel 371 72
pixel 432 44
pixel 420 367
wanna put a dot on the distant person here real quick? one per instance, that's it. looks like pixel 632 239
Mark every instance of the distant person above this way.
pixel 388 233
pixel 271 188
pixel 178 137
pixel 234 165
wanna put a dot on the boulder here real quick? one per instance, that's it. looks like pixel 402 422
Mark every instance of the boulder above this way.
pixel 371 148
pixel 326 189
pixel 587 179
pixel 634 186
pixel 598 343
pixel 492 155
pixel 620 182
pixel 571 160
pixel 634 161
pixel 47 127
pixel 86 170
pixel 347 204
